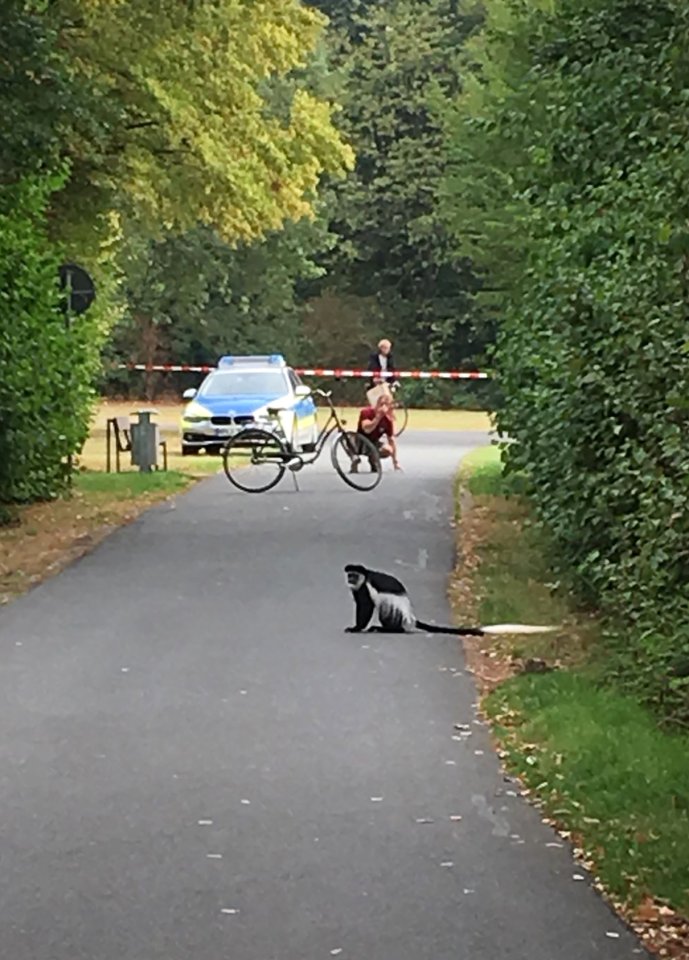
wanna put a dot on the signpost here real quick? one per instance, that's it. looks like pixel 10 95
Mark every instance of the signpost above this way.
pixel 80 290
pixel 80 294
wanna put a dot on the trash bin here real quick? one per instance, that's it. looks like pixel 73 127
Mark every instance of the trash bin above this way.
pixel 145 441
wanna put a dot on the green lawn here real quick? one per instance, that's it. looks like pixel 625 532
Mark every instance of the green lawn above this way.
pixel 481 470
pixel 606 772
pixel 597 760
pixel 130 483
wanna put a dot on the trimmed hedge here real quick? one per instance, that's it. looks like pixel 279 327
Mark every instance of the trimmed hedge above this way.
pixel 45 371
pixel 582 130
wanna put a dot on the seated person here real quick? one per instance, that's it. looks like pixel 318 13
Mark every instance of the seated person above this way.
pixel 377 425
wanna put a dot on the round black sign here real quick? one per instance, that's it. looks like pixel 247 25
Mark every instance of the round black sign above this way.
pixel 78 285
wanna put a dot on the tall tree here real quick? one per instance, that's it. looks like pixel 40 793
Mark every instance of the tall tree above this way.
pixel 38 95
pixel 186 130
pixel 163 119
pixel 347 15
pixel 395 246
pixel 191 298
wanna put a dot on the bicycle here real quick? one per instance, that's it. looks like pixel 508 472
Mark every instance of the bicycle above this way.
pixel 255 459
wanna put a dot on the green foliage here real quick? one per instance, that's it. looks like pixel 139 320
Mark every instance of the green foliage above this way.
pixel 569 173
pixel 182 131
pixel 38 96
pixel 44 397
pixel 450 394
pixel 191 298
pixel 348 15
pixel 183 124
pixel 397 59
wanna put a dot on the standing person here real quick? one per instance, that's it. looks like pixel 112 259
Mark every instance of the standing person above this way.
pixel 382 362
pixel 376 424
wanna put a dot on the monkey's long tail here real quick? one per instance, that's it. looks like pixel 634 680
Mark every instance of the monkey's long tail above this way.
pixel 496 629
pixel 456 631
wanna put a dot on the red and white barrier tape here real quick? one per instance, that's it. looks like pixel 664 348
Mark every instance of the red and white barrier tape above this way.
pixel 165 367
pixel 407 374
pixel 317 372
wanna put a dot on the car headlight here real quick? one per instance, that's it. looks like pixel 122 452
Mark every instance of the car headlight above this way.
pixel 196 413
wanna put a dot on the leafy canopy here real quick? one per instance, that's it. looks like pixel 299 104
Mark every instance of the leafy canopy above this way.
pixel 183 127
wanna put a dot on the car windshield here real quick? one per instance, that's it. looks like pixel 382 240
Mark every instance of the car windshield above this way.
pixel 244 383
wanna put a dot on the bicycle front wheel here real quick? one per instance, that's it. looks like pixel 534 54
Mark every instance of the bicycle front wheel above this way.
pixel 255 460
pixel 357 461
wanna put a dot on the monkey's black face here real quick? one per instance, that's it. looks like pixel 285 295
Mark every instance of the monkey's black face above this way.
pixel 355 574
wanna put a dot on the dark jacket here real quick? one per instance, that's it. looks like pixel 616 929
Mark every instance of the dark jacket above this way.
pixel 374 364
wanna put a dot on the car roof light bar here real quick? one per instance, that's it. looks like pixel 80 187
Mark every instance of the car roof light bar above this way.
pixel 272 359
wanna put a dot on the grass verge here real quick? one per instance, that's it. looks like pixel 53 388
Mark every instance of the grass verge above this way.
pixel 93 455
pixel 592 759
pixel 48 536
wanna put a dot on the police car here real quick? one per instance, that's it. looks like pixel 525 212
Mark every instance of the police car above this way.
pixel 237 395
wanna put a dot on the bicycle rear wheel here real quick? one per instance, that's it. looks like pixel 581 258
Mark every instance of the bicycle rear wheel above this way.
pixel 357 461
pixel 255 460
pixel 401 416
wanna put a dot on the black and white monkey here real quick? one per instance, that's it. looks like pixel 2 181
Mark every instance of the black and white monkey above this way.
pixel 379 594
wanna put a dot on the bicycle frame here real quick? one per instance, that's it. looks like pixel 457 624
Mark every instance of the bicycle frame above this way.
pixel 328 430
pixel 332 424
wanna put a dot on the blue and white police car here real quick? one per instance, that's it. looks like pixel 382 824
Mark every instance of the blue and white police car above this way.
pixel 237 395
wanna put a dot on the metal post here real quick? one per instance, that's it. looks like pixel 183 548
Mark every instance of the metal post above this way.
pixel 67 328
pixel 69 273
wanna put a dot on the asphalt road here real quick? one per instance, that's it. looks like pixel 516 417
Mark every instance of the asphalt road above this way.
pixel 197 763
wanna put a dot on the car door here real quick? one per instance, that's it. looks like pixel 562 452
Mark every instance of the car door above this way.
pixel 305 411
